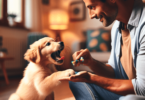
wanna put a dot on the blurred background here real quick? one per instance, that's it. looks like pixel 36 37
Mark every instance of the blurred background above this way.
pixel 24 21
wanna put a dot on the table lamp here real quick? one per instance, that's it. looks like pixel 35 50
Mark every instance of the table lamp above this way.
pixel 58 20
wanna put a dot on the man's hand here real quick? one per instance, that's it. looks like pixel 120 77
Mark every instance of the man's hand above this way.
pixel 82 76
pixel 96 66
pixel 82 53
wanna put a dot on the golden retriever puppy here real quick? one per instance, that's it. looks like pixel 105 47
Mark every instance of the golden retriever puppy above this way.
pixel 39 81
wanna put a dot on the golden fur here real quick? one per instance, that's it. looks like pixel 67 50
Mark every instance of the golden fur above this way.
pixel 39 81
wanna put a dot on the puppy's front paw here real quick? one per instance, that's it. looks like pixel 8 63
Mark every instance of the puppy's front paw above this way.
pixel 65 73
pixel 69 72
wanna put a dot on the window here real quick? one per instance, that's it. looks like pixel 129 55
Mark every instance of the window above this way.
pixel 14 7
pixel 9 9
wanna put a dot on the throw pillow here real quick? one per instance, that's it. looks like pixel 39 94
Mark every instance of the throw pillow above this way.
pixel 98 40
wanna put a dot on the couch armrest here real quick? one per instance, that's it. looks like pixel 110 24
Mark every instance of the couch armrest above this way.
pixel 101 56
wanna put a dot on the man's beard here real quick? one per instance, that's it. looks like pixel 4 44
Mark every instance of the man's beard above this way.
pixel 108 20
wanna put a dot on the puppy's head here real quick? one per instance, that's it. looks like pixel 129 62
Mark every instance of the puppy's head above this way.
pixel 45 50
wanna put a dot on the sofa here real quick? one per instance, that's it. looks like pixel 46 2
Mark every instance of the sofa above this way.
pixel 98 42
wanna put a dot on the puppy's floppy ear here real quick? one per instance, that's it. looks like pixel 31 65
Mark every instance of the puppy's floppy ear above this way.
pixel 33 55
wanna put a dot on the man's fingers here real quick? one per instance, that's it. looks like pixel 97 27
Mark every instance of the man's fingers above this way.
pixel 76 78
pixel 78 64
pixel 81 72
pixel 75 54
pixel 83 52
pixel 80 55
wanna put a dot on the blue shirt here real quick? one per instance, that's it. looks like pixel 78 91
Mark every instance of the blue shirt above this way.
pixel 136 26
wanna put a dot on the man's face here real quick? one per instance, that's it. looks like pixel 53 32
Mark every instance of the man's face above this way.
pixel 106 11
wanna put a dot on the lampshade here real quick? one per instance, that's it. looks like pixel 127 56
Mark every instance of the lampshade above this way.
pixel 58 19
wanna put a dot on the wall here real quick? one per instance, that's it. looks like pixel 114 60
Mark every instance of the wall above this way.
pixel 75 29
pixel 15 41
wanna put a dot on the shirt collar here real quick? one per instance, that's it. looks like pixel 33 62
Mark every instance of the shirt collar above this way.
pixel 135 15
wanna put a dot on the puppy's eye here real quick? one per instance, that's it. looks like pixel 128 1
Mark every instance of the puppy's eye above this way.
pixel 48 44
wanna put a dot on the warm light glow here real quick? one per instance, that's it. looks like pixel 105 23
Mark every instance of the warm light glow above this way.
pixel 58 19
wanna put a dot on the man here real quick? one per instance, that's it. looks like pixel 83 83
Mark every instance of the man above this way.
pixel 125 72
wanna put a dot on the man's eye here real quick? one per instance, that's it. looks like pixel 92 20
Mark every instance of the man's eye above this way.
pixel 48 44
pixel 91 7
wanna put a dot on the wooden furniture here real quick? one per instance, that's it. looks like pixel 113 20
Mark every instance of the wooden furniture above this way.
pixel 2 60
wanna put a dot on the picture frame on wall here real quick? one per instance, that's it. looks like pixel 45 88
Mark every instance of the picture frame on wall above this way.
pixel 77 11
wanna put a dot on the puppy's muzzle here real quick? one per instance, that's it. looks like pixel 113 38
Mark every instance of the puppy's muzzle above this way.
pixel 56 55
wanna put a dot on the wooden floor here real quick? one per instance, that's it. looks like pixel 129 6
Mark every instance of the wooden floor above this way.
pixel 62 92
pixel 6 90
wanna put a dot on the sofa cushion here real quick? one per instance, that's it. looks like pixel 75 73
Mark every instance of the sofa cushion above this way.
pixel 98 40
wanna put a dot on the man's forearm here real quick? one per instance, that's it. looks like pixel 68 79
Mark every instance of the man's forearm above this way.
pixel 122 87
pixel 102 69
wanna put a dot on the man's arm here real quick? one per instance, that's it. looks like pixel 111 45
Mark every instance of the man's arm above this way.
pixel 102 69
pixel 118 86
pixel 139 81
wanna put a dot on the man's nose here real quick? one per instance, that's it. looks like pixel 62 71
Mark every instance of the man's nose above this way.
pixel 91 14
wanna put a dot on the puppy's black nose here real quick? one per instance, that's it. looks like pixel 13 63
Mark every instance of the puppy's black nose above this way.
pixel 61 45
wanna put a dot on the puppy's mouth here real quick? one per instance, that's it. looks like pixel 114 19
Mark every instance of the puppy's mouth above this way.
pixel 56 56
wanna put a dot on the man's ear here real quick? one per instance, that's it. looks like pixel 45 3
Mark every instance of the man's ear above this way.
pixel 113 1
pixel 33 55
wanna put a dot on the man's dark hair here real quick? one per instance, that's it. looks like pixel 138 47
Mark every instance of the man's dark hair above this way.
pixel 100 0
pixel 103 0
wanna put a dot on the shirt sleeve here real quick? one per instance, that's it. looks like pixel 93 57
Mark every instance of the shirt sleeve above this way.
pixel 139 81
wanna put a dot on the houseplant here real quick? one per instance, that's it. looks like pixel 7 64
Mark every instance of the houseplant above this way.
pixel 11 19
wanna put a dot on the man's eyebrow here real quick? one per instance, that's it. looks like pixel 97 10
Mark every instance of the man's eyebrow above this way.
pixel 88 6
